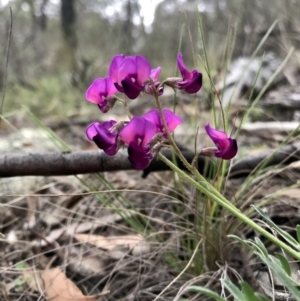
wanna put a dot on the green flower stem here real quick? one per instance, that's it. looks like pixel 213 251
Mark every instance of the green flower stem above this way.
pixel 204 187
pixel 125 104
pixel 192 169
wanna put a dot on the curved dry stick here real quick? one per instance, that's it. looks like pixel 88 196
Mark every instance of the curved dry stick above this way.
pixel 285 155
pixel 80 162
pixel 83 162
pixel 58 164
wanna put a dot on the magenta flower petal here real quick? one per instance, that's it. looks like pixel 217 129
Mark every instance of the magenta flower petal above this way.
pixel 161 89
pixel 110 87
pixel 102 135
pixel 140 157
pixel 91 131
pixel 131 90
pixel 100 92
pixel 143 69
pixel 128 69
pixel 149 89
pixel 137 134
pixel 114 67
pixel 214 134
pixel 191 81
pixel 229 152
pixel 227 147
pixel 155 73
pixel 193 85
pixel 138 130
pixel 172 120
pixel 96 91
pixel 130 74
pixel 186 75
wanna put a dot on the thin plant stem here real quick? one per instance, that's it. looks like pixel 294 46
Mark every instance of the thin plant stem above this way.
pixel 213 194
pixel 180 274
pixel 6 64
pixel 125 104
pixel 191 168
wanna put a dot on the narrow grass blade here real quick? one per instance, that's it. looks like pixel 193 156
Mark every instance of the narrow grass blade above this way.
pixel 298 232
pixel 248 291
pixel 234 290
pixel 205 291
pixel 261 246
pixel 283 277
pixel 284 263
pixel 285 235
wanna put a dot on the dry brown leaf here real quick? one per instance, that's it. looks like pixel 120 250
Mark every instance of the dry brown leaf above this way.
pixel 86 265
pixel 295 165
pixel 51 238
pixel 61 210
pixel 76 228
pixel 88 225
pixel 110 242
pixel 59 288
pixel 293 193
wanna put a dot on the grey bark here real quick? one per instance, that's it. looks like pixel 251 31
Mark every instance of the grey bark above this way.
pixel 83 162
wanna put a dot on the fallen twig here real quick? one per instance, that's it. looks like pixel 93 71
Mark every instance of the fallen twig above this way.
pixel 83 162
pixel 286 155
pixel 80 162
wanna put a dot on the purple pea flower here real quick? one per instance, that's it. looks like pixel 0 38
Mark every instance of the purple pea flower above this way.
pixel 104 137
pixel 154 75
pixel 227 147
pixel 172 120
pixel 114 68
pixel 101 92
pixel 139 156
pixel 129 74
pixel 137 134
pixel 191 81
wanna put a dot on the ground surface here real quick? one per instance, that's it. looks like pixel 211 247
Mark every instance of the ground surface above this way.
pixel 115 235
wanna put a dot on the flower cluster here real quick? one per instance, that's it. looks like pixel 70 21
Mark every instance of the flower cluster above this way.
pixel 140 134
pixel 144 135
pixel 130 75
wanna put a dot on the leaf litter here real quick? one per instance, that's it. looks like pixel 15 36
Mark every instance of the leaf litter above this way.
pixel 55 286
pixel 76 246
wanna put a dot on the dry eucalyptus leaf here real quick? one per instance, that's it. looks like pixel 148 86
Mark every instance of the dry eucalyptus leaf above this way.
pixel 87 265
pixel 87 226
pixel 110 243
pixel 76 228
pixel 293 193
pixel 140 249
pixel 51 238
pixel 54 215
pixel 58 287
pixel 295 165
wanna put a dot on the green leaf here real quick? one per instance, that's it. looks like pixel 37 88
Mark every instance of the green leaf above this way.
pixel 260 297
pixel 298 232
pixel 284 263
pixel 282 275
pixel 21 265
pixel 242 241
pixel 261 246
pixel 288 238
pixel 248 291
pixel 234 290
pixel 206 291
pixel 20 281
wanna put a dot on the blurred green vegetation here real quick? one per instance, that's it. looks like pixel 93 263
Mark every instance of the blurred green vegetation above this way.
pixel 49 70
